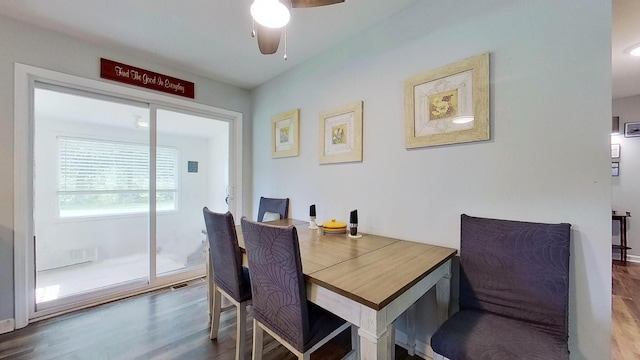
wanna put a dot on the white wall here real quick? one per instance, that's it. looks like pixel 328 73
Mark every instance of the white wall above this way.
pixel 547 160
pixel 42 48
pixel 626 187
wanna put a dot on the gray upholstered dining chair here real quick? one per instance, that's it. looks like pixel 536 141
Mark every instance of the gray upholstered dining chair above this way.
pixel 272 206
pixel 280 305
pixel 231 279
pixel 514 292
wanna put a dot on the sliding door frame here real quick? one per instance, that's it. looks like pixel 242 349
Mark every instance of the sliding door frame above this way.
pixel 25 78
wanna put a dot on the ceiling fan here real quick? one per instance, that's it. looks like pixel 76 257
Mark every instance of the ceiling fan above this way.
pixel 270 18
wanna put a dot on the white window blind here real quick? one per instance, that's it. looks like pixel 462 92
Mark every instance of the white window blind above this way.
pixel 98 177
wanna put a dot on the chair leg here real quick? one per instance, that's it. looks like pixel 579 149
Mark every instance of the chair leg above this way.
pixel 257 340
pixel 210 284
pixel 241 330
pixel 305 356
pixel 215 312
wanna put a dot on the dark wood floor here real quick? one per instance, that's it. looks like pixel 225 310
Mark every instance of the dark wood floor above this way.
pixel 625 325
pixel 172 324
pixel 166 324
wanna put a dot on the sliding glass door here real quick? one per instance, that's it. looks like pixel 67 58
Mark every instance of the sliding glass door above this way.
pixel 91 192
pixel 203 166
pixel 98 162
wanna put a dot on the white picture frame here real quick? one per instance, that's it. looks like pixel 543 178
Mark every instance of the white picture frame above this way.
pixel 340 134
pixel 285 134
pixel 448 105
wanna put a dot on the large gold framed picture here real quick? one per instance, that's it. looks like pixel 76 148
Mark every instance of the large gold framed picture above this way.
pixel 448 105
pixel 341 134
pixel 285 138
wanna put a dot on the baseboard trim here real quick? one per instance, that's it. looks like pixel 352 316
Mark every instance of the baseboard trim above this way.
pixel 630 258
pixel 7 325
pixel 421 349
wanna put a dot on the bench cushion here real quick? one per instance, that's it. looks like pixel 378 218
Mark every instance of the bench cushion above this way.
pixel 471 334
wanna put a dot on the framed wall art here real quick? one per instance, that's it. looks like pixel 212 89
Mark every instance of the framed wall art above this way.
pixel 615 151
pixel 340 134
pixel 632 129
pixel 448 105
pixel 285 134
pixel 615 168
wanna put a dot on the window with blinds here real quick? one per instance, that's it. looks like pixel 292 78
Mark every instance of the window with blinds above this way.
pixel 98 177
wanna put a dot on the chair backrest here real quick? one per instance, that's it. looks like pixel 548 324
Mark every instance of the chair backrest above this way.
pixel 280 206
pixel 226 257
pixel 516 269
pixel 277 282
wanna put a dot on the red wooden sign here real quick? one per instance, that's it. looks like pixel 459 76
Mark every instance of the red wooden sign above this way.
pixel 144 78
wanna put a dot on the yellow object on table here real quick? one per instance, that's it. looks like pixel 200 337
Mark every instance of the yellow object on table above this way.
pixel 334 227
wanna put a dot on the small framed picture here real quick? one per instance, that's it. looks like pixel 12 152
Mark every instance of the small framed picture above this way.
pixel 341 134
pixel 632 129
pixel 615 168
pixel 285 134
pixel 615 151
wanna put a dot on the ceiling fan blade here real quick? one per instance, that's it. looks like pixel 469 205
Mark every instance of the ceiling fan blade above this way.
pixel 268 39
pixel 313 3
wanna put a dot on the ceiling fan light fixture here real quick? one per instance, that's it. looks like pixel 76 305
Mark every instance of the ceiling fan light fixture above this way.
pixel 270 13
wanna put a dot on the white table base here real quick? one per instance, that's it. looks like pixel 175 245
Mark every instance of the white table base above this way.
pixel 376 328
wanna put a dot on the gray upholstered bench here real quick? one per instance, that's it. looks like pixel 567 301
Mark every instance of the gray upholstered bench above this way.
pixel 514 293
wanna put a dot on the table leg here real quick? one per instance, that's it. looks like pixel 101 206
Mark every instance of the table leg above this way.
pixel 411 329
pixel 443 296
pixel 623 240
pixel 374 347
pixel 391 341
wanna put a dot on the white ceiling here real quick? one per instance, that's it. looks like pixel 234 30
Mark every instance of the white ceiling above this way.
pixel 211 38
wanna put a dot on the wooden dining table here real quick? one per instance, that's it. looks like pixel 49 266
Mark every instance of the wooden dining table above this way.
pixel 371 281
